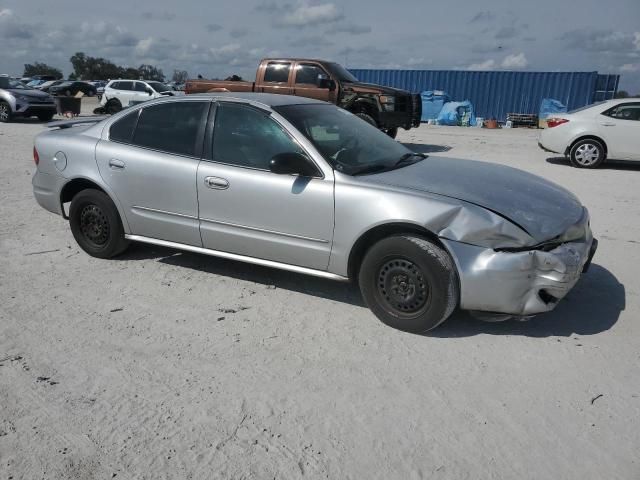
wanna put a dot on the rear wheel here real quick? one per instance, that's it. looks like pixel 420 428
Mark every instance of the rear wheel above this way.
pixel 112 106
pixel 367 118
pixel 96 225
pixel 5 112
pixel 409 283
pixel 587 153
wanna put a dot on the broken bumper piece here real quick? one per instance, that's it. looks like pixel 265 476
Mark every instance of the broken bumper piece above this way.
pixel 519 284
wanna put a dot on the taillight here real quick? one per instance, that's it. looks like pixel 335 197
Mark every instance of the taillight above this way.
pixel 36 157
pixel 554 122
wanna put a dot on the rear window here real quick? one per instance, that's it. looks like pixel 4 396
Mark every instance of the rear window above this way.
pixel 124 86
pixel 277 72
pixel 122 130
pixel 171 127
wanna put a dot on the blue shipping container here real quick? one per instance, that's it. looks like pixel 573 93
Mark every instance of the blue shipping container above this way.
pixel 495 94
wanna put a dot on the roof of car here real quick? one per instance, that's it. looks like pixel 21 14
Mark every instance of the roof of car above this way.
pixel 267 99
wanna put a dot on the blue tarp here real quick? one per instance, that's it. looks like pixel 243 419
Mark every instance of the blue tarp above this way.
pixel 432 102
pixel 549 106
pixel 457 113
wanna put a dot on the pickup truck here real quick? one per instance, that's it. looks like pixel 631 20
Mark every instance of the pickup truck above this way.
pixel 384 107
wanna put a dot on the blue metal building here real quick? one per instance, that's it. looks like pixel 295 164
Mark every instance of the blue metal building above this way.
pixel 494 94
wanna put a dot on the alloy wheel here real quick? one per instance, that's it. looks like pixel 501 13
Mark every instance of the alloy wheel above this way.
pixel 4 112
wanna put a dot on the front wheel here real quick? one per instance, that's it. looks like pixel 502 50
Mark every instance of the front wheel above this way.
pixel 409 283
pixel 5 112
pixel 95 224
pixel 367 118
pixel 392 132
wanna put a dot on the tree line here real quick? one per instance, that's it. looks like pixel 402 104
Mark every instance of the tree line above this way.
pixel 86 67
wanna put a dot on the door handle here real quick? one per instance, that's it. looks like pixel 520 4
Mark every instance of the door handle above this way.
pixel 115 163
pixel 216 183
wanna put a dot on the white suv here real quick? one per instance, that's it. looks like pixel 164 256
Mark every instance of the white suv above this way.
pixel 119 94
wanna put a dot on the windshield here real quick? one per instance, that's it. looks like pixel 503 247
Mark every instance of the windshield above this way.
pixel 341 73
pixel 159 87
pixel 6 82
pixel 348 143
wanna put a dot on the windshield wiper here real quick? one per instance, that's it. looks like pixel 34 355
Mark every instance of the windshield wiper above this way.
pixel 409 155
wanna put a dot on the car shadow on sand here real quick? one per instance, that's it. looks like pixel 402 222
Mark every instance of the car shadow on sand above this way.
pixel 424 148
pixel 608 165
pixel 593 306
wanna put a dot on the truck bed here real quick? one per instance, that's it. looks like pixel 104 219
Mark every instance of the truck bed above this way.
pixel 204 86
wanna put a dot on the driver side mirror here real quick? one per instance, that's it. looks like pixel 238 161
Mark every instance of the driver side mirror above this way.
pixel 293 163
pixel 149 91
pixel 324 81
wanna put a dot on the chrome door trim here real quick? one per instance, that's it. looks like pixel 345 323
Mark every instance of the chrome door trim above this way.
pixel 262 230
pixel 154 210
pixel 241 258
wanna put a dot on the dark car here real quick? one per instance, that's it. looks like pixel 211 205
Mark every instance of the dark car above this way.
pixel 71 88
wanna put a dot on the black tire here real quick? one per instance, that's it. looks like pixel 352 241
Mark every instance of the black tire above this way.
pixel 367 118
pixel 45 117
pixel 392 132
pixel 113 106
pixel 587 153
pixel 90 93
pixel 409 283
pixel 6 115
pixel 96 225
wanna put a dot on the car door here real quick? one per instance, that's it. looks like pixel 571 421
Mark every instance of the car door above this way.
pixel 620 129
pixel 248 210
pixel 276 78
pixel 149 158
pixel 125 92
pixel 305 82
pixel 140 93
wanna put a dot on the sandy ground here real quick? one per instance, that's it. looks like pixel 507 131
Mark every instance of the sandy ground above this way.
pixel 162 364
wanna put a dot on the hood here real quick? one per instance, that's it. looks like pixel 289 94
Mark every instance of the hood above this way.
pixel 28 93
pixel 541 208
pixel 361 87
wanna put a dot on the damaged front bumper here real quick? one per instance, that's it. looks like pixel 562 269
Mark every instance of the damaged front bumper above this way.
pixel 519 283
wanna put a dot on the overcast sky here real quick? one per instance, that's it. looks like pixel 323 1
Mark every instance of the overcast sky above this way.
pixel 218 38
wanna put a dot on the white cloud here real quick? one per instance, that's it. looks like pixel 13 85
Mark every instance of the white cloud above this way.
pixel 5 13
pixel 486 65
pixel 630 67
pixel 515 61
pixel 636 41
pixel 312 14
pixel 144 45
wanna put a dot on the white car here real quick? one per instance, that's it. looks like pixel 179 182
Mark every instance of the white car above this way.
pixel 119 94
pixel 593 134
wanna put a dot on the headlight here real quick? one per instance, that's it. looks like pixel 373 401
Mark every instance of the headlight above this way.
pixel 387 99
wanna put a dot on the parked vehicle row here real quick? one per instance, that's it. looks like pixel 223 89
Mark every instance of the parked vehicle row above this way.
pixel 237 175
pixel 386 108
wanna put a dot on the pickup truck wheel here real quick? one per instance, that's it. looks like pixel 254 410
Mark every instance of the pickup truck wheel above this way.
pixel 5 112
pixel 409 283
pixel 113 106
pixel 96 225
pixel 392 132
pixel 367 118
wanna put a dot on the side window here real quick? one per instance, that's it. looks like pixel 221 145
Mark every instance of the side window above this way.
pixel 122 130
pixel 172 127
pixel 277 72
pixel 125 86
pixel 140 87
pixel 248 137
pixel 625 111
pixel 115 85
pixel 308 73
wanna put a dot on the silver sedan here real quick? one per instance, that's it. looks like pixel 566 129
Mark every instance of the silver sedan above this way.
pixel 301 185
